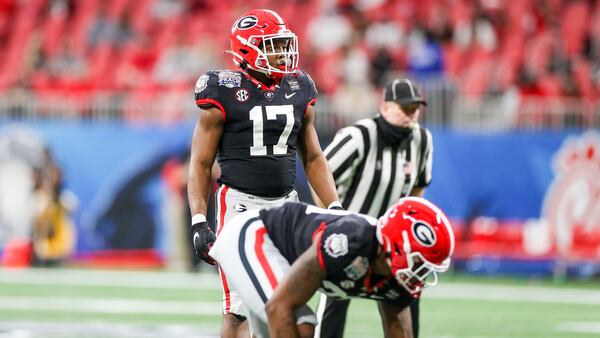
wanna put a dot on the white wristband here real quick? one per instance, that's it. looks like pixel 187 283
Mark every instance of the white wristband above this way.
pixel 335 204
pixel 198 218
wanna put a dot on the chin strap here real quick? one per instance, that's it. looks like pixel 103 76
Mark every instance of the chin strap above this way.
pixel 236 59
pixel 243 64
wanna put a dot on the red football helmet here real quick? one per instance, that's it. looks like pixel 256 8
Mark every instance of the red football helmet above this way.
pixel 418 240
pixel 261 33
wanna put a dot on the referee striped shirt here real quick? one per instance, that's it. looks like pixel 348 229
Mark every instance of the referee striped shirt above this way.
pixel 371 176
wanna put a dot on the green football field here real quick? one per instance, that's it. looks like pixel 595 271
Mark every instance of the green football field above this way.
pixel 69 303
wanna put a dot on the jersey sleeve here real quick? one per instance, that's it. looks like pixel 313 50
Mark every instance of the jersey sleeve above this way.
pixel 426 159
pixel 312 90
pixel 342 241
pixel 206 92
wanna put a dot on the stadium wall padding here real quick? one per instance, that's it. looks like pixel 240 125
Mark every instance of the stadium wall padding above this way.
pixel 500 175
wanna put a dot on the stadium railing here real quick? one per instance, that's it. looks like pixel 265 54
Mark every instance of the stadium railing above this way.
pixel 447 107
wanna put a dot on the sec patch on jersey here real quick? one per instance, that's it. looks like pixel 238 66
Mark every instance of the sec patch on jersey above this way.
pixel 336 245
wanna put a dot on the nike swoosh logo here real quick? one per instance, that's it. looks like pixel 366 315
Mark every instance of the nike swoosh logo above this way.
pixel 288 96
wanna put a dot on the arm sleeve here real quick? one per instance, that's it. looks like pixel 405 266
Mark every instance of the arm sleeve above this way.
pixel 426 159
pixel 206 92
pixel 344 154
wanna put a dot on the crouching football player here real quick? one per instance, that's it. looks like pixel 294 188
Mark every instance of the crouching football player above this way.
pixel 276 259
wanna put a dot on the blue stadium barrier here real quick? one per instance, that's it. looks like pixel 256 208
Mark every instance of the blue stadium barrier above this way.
pixel 114 170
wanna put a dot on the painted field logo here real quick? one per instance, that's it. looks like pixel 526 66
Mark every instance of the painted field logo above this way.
pixel 572 203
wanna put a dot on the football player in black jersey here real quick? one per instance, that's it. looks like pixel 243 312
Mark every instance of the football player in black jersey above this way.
pixel 278 258
pixel 254 120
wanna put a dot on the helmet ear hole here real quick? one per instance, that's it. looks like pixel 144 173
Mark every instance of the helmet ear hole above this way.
pixel 244 51
pixel 398 249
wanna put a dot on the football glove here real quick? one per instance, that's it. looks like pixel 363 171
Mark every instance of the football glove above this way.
pixel 203 239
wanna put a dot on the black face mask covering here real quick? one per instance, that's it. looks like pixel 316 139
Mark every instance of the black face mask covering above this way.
pixel 391 135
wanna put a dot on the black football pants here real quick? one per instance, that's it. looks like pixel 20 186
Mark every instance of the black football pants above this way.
pixel 334 318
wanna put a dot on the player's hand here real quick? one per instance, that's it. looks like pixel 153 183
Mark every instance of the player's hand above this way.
pixel 203 239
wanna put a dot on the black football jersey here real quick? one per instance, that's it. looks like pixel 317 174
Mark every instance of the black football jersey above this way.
pixel 347 246
pixel 257 151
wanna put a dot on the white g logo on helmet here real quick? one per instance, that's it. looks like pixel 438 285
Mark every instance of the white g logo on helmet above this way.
pixel 423 233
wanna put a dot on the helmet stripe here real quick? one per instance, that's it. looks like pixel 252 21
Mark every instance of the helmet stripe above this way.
pixel 281 22
pixel 394 84
pixel 412 90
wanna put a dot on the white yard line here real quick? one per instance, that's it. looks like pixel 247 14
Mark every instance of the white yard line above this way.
pixel 580 327
pixel 210 281
pixel 137 279
pixel 110 305
pixel 94 329
pixel 506 293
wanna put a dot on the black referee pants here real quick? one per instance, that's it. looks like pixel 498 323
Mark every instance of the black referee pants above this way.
pixel 334 318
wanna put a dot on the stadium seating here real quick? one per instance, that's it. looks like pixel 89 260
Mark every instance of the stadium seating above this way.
pixel 485 46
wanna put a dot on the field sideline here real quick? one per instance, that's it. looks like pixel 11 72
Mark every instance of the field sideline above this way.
pixel 68 303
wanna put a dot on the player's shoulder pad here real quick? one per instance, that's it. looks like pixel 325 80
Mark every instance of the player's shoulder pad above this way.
pixel 354 225
pixel 218 78
pixel 302 75
pixel 344 239
pixel 204 81
pixel 305 80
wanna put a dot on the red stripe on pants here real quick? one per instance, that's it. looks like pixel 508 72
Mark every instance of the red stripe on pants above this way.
pixel 222 210
pixel 262 259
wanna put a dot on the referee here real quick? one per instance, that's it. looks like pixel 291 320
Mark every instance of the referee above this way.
pixel 375 162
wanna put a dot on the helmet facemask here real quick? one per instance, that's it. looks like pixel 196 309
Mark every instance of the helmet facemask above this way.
pixel 266 46
pixel 412 270
pixel 411 245
pixel 288 49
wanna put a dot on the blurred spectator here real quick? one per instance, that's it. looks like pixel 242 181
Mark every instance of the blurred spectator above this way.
pixel 66 64
pixel 53 231
pixel 134 71
pixel 165 9
pixel 175 174
pixel 103 30
pixel 355 64
pixel 34 206
pixel 60 8
pixel 424 55
pixel 545 47
pixel 114 31
pixel 329 32
pixel 180 63
pixel 354 101
pixel 381 64
pixel 384 34
pixel 21 152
